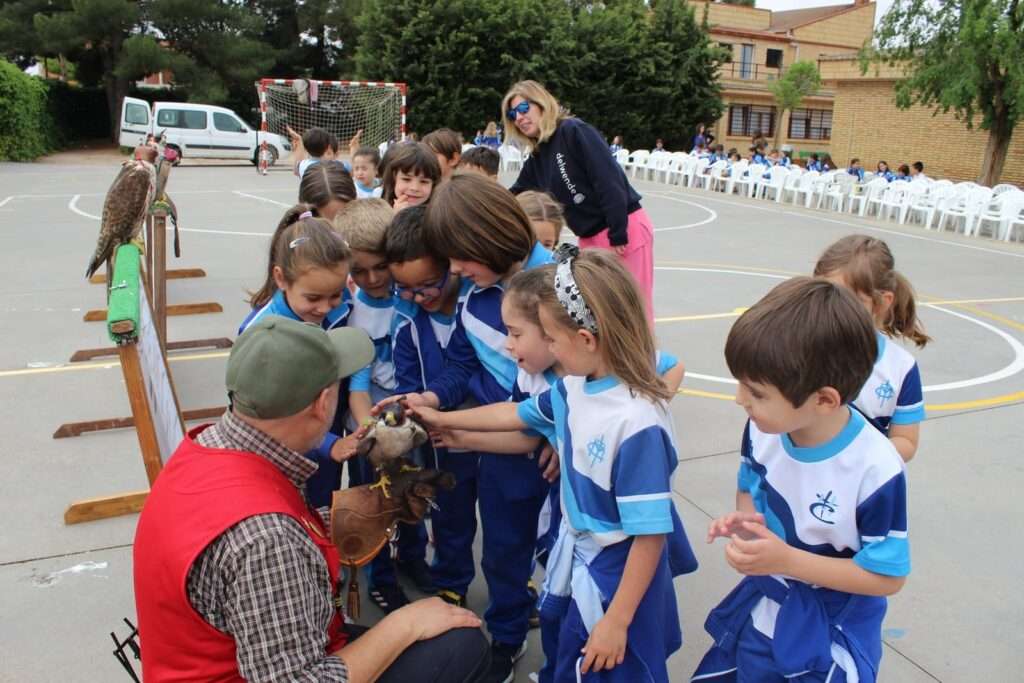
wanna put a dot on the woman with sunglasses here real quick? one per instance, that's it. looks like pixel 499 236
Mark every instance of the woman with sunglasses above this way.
pixel 570 160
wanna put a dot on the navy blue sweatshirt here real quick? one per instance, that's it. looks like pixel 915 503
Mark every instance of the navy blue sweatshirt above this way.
pixel 574 165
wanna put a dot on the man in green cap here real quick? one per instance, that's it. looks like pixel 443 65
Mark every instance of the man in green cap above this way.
pixel 235 575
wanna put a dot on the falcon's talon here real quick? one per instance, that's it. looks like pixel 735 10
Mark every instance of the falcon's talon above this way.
pixel 383 483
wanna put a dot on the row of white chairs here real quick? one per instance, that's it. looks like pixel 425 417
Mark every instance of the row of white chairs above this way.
pixel 967 206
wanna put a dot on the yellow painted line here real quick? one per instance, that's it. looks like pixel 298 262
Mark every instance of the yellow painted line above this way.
pixel 979 403
pixel 956 302
pixel 106 365
pixel 706 316
pixel 706 394
pixel 991 316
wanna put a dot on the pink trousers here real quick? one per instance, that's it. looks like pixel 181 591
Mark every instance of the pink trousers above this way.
pixel 639 256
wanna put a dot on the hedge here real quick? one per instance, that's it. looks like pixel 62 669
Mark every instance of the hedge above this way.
pixel 28 130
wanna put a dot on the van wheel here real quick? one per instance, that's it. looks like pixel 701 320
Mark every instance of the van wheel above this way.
pixel 271 156
pixel 178 150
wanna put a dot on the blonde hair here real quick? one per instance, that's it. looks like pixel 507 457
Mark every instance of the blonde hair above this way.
pixel 867 267
pixel 552 113
pixel 364 224
pixel 541 206
pixel 528 288
pixel 300 244
pixel 624 337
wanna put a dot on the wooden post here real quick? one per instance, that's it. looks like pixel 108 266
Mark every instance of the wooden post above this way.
pixel 159 275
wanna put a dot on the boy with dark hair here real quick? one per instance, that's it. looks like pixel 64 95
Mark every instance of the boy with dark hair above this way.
pixel 315 145
pixel 447 145
pixel 365 166
pixel 820 530
pixel 917 171
pixel 427 294
pixel 856 169
pixel 482 160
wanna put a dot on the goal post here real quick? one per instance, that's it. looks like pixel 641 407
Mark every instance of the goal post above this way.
pixel 339 107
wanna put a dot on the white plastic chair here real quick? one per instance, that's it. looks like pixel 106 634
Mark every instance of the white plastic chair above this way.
pixel 968 206
pixel 805 186
pixel 776 181
pixel 715 178
pixel 1003 209
pixel 697 178
pixel 867 195
pixel 637 159
pixel 622 156
pixel 467 146
pixel 895 198
pixel 821 185
pixel 1004 187
pixel 914 195
pixel 835 194
pixel 511 157
pixel 940 195
pixel 749 180
pixel 736 171
pixel 656 164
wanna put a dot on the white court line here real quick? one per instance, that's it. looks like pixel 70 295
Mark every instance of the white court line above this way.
pixel 262 199
pixel 858 226
pixel 1015 366
pixel 73 205
pixel 6 199
pixel 712 217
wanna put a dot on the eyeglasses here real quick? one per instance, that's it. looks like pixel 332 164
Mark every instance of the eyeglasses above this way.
pixel 521 108
pixel 425 293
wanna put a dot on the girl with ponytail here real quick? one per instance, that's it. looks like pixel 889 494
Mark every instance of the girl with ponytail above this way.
pixel 892 399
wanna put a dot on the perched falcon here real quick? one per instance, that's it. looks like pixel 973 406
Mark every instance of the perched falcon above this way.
pixel 391 437
pixel 126 205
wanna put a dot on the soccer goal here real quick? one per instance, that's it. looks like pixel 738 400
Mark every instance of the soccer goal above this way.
pixel 340 107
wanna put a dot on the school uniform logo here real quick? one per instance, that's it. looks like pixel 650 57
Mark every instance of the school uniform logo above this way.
pixel 884 392
pixel 595 450
pixel 824 508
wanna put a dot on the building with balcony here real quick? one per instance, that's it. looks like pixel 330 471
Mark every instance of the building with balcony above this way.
pixel 762 43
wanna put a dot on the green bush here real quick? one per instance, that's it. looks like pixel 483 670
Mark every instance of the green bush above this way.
pixel 28 130
pixel 78 113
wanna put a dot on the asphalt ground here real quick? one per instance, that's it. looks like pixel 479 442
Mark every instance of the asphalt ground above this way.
pixel 64 588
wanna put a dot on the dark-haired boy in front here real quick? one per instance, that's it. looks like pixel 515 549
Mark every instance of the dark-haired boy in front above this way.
pixel 820 527
pixel 427 295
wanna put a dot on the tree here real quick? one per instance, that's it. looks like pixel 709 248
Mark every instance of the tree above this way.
pixel 460 56
pixel 799 80
pixel 959 55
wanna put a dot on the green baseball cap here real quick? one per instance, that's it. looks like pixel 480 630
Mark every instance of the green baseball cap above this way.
pixel 278 366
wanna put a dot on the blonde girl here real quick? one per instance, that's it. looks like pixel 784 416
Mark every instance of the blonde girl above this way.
pixel 892 399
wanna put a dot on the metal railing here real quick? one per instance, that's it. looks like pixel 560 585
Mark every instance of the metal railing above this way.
pixel 748 71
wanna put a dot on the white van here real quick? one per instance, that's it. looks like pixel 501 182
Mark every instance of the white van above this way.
pixel 199 131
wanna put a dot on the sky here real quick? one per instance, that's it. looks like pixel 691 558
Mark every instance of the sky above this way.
pixel 883 5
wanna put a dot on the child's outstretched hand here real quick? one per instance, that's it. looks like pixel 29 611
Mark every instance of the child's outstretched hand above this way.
pixel 345 447
pixel 606 646
pixel 426 416
pixel 548 463
pixel 447 438
pixel 728 525
pixel 762 552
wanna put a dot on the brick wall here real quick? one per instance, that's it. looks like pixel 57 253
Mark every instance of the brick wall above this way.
pixel 734 16
pixel 850 28
pixel 867 124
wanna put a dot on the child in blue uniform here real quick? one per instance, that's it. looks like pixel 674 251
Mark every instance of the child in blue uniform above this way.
pixel 820 528
pixel 480 228
pixel 364 225
pixel 308 266
pixel 608 605
pixel 426 297
pixel 891 399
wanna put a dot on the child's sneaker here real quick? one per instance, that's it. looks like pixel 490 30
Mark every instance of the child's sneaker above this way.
pixel 452 598
pixel 503 660
pixel 388 597
pixel 418 571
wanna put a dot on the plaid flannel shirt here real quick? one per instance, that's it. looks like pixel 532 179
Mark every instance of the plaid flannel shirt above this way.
pixel 264 581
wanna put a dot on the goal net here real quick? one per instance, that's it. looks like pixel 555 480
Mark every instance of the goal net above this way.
pixel 339 107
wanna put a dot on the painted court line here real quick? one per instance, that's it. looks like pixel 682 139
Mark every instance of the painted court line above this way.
pixel 73 205
pixel 712 216
pixel 858 226
pixel 261 199
pixel 6 199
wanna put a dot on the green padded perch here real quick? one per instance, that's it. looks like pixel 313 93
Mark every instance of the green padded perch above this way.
pixel 123 301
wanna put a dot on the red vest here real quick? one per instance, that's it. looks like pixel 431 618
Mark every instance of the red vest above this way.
pixel 200 494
